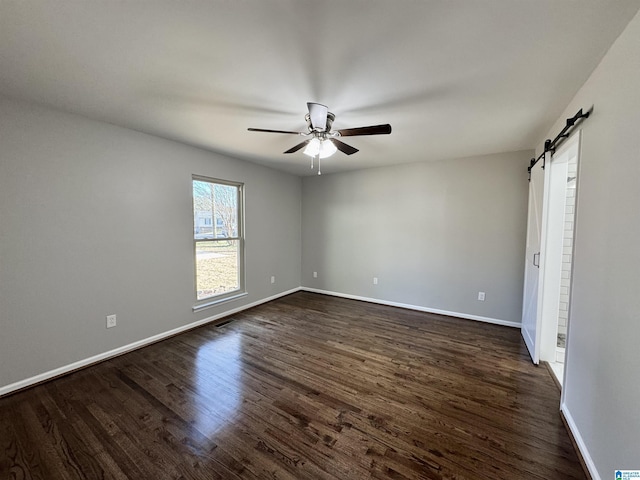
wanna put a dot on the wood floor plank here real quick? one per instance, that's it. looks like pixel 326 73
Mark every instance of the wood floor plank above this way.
pixel 18 458
pixel 303 387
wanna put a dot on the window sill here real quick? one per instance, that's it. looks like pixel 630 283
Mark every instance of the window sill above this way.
pixel 213 303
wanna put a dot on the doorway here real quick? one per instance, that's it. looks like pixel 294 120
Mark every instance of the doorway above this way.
pixel 549 256
pixel 557 244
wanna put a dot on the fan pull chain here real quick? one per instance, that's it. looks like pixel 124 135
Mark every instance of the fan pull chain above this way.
pixel 319 172
pixel 311 163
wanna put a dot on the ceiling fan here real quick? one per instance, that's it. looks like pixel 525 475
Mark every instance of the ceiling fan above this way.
pixel 324 142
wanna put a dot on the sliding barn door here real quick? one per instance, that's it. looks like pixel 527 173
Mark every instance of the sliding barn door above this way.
pixel 530 314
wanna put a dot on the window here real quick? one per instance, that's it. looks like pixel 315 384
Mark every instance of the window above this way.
pixel 218 240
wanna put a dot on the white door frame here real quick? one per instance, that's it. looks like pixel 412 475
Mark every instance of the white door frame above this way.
pixel 551 261
pixel 541 338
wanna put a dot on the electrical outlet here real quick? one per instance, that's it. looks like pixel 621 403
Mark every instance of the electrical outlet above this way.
pixel 111 321
pixel 315 274
pixel 273 279
pixel 375 280
pixel 481 296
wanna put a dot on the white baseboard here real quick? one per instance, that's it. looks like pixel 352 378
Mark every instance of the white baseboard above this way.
pixel 130 347
pixel 466 316
pixel 557 370
pixel 591 466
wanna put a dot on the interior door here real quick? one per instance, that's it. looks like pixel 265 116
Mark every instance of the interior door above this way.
pixel 530 317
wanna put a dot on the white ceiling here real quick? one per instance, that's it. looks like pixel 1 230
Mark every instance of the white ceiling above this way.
pixel 454 78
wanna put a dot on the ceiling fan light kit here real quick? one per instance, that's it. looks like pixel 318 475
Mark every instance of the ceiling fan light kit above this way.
pixel 320 148
pixel 323 142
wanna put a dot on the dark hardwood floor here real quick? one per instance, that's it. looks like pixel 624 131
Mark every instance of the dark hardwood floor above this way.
pixel 306 386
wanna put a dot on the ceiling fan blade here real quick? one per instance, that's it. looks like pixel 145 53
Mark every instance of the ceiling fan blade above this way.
pixel 372 130
pixel 343 147
pixel 272 131
pixel 298 147
pixel 318 115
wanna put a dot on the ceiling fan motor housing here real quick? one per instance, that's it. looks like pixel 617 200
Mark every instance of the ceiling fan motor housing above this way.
pixel 330 118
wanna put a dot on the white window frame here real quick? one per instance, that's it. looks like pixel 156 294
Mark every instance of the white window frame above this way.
pixel 241 290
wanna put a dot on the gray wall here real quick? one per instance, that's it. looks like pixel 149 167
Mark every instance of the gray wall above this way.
pixel 434 233
pixel 602 385
pixel 96 219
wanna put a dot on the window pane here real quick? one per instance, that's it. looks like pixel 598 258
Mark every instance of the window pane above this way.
pixel 226 210
pixel 217 270
pixel 202 210
pixel 217 220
